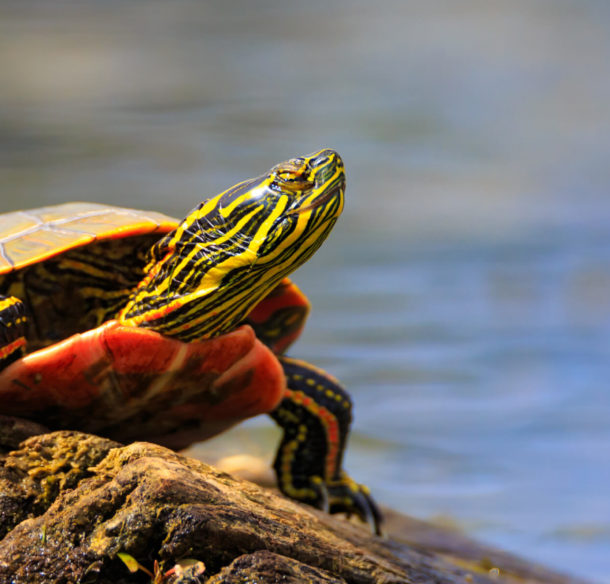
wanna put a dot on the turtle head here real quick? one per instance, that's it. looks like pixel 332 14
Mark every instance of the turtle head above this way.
pixel 291 208
pixel 229 252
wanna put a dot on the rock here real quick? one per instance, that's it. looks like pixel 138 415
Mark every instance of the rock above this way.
pixel 71 502
pixel 271 568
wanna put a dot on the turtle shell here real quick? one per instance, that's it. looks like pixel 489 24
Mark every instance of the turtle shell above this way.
pixel 59 258
pixel 122 382
pixel 28 237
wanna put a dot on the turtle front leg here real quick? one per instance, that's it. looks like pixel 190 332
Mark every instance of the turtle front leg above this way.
pixel 12 330
pixel 315 415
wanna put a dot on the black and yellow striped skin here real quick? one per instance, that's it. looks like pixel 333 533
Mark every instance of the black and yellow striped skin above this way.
pixel 12 330
pixel 231 251
pixel 204 279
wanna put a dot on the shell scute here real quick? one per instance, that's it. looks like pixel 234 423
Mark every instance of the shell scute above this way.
pixel 27 237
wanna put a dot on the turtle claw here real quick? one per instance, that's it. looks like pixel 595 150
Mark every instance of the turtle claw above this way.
pixel 344 495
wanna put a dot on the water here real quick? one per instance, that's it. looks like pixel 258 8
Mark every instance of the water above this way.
pixel 464 297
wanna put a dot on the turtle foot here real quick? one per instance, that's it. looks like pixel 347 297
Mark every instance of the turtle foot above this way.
pixel 344 495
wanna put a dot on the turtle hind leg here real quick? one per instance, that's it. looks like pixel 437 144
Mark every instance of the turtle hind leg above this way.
pixel 12 330
pixel 315 415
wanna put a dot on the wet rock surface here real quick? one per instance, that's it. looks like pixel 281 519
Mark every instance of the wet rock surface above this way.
pixel 70 503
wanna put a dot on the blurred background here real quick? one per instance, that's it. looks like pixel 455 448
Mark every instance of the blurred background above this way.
pixel 464 297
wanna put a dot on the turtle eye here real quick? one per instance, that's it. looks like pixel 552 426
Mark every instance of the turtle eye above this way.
pixel 291 182
pixel 292 176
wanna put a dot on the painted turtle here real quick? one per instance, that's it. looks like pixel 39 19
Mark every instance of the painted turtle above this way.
pixel 137 326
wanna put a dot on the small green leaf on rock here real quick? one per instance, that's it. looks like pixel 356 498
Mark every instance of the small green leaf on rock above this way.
pixel 131 563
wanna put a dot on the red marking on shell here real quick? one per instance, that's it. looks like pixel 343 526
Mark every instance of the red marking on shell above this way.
pixel 129 383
